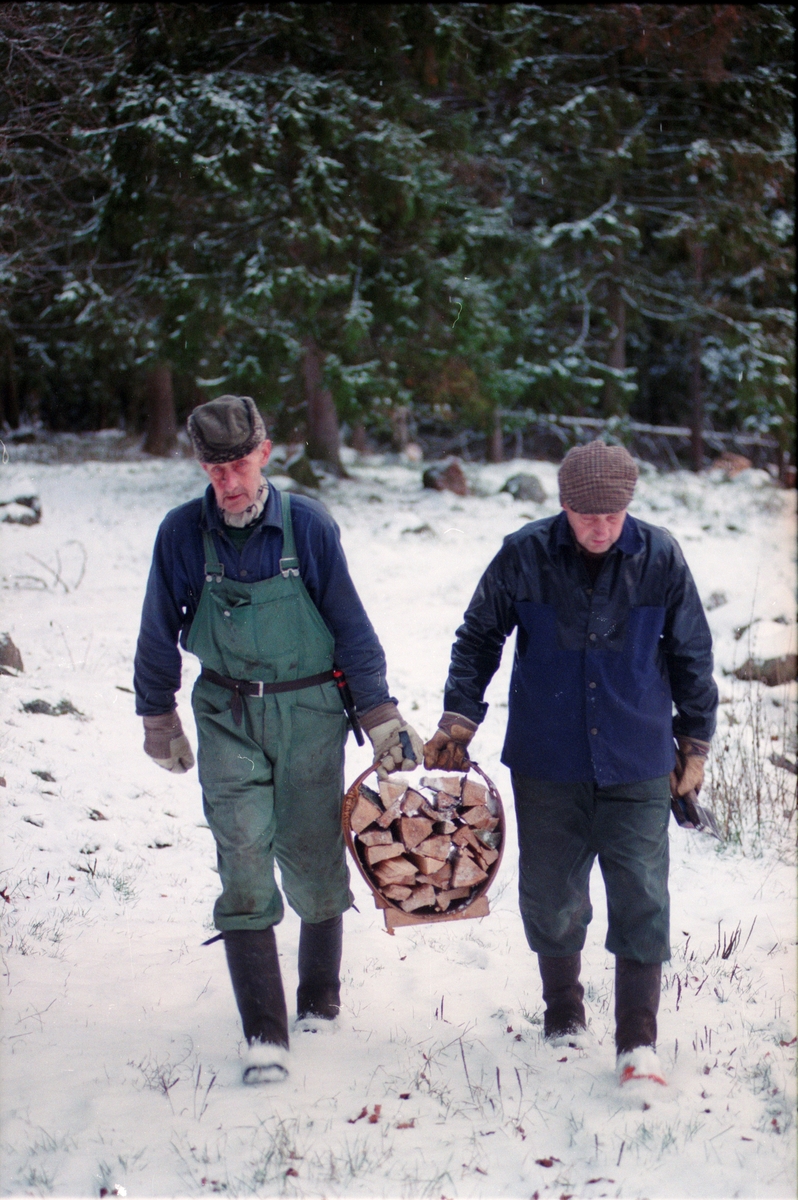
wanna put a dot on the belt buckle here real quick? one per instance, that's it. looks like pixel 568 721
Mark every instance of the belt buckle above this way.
pixel 258 683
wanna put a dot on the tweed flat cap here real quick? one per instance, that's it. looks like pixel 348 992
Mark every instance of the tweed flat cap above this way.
pixel 226 429
pixel 597 478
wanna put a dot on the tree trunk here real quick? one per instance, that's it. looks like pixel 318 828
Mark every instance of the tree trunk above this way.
pixel 9 401
pixel 496 440
pixel 399 431
pixel 696 406
pixel 360 440
pixel 616 311
pixel 161 420
pixel 324 438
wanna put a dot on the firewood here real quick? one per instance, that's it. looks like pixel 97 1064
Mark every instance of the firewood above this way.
pixel 446 803
pixel 413 830
pixel 390 815
pixel 395 891
pixel 421 897
pixel 395 870
pixel 485 856
pixel 364 813
pixel 391 791
pixel 426 810
pixel 474 793
pixel 444 899
pixel 491 839
pixel 465 836
pixel 376 854
pixel 439 879
pixel 443 783
pixel 375 837
pixel 427 866
pixel 480 818
pixel 435 847
pixel 447 827
pixel 412 802
pixel 466 873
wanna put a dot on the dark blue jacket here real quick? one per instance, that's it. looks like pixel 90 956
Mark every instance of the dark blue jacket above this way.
pixel 598 667
pixel 177 576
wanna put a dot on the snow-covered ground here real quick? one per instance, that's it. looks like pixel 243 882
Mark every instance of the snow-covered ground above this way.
pixel 120 1039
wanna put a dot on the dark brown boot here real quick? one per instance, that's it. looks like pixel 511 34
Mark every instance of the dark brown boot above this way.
pixel 319 991
pixel 562 995
pixel 258 986
pixel 637 988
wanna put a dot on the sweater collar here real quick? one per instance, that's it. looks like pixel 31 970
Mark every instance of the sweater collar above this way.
pixel 272 512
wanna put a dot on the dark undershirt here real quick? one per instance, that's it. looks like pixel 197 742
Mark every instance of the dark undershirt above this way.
pixel 593 562
pixel 240 537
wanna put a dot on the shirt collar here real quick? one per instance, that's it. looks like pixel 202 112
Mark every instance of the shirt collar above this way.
pixel 630 541
pixel 272 513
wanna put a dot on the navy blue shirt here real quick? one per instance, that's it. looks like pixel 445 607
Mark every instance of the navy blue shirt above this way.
pixel 599 665
pixel 177 577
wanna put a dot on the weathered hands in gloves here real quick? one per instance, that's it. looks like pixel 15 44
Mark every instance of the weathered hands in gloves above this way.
pixel 166 743
pixel 447 749
pixel 397 746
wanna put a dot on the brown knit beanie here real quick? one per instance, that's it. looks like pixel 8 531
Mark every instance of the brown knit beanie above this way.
pixel 226 429
pixel 597 478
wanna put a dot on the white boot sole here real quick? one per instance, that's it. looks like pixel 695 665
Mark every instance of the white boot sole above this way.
pixel 265 1063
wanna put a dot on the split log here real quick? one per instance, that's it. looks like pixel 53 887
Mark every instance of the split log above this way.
pixel 377 854
pixel 486 857
pixel 391 791
pixel 395 870
pixel 465 836
pixel 435 847
pixel 412 802
pixel 413 830
pixel 395 891
pixel 421 897
pixel 451 784
pixel 466 873
pixel 426 865
pixel 474 793
pixel 447 827
pixel 480 818
pixel 490 838
pixel 390 815
pixel 376 837
pixel 363 814
pixel 444 899
pixel 439 879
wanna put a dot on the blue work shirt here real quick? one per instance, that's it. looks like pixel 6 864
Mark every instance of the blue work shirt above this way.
pixel 599 666
pixel 177 577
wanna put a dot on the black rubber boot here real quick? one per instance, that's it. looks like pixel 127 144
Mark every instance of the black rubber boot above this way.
pixel 637 988
pixel 257 984
pixel 562 995
pixel 319 991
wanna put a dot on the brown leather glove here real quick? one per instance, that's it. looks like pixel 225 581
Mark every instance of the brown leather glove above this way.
pixel 447 748
pixel 166 743
pixel 397 746
pixel 688 774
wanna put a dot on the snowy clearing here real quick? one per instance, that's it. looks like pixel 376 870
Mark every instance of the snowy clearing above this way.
pixel 120 1038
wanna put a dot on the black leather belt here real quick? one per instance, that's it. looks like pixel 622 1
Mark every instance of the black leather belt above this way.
pixel 256 687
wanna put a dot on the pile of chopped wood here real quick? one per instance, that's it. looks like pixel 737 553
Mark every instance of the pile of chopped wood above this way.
pixel 427 848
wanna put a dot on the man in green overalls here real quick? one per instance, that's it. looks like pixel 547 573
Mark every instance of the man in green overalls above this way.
pixel 255 583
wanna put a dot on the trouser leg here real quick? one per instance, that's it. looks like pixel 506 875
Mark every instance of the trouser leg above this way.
pixel 257 984
pixel 554 861
pixel 562 994
pixel 320 946
pixel 637 990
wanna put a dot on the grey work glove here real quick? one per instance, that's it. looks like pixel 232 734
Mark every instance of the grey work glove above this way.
pixel 447 749
pixel 166 743
pixel 688 774
pixel 397 746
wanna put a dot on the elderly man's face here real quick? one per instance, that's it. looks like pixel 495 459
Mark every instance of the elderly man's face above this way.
pixel 596 532
pixel 235 484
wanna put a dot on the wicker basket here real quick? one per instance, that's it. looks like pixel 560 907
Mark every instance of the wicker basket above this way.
pixel 476 903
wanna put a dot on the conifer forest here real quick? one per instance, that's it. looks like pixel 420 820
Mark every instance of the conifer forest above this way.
pixel 393 221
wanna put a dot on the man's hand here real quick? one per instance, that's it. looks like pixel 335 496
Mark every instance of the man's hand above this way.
pixel 397 746
pixel 166 743
pixel 447 749
pixel 688 774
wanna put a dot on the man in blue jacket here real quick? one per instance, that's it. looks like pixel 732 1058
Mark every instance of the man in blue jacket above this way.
pixel 255 583
pixel 611 639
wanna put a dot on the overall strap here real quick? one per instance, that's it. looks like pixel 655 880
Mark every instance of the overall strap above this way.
pixel 289 563
pixel 214 570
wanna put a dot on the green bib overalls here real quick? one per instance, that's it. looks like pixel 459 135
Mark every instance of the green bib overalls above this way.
pixel 273 784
